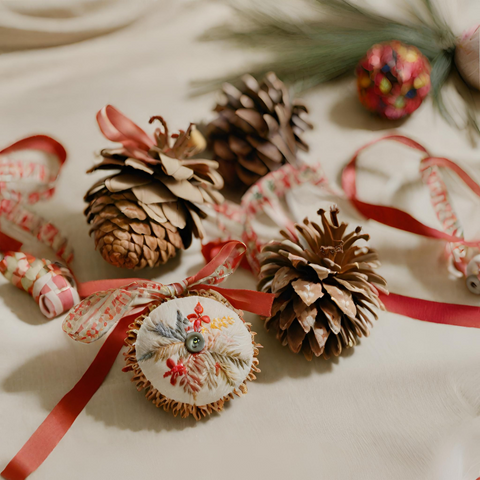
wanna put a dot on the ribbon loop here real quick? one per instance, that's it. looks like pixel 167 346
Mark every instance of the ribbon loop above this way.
pixel 429 168
pixel 116 127
pixel 264 196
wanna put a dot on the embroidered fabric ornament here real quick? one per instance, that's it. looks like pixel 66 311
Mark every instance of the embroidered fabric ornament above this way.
pixel 163 354
pixel 258 129
pixel 151 206
pixel 393 79
pixel 326 290
pixel 26 177
pixel 192 363
pixel 50 284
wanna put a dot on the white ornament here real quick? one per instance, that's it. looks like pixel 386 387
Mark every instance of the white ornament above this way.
pixel 175 369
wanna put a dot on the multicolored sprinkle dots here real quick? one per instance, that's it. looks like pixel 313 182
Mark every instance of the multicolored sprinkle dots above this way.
pixel 393 79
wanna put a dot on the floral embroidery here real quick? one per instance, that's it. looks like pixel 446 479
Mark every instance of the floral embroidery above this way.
pixel 221 360
pixel 198 318
pixel 224 322
pixel 176 370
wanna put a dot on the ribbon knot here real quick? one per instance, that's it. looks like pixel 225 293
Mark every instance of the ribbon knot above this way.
pixel 105 306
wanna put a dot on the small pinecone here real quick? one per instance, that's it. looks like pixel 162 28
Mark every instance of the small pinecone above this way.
pixel 324 284
pixel 257 130
pixel 147 210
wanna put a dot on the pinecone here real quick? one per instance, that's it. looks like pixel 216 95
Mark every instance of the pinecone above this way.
pixel 257 130
pixel 147 210
pixel 324 284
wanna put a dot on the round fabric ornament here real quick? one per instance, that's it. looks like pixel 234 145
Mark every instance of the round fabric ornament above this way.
pixel 467 56
pixel 393 79
pixel 325 286
pixel 192 354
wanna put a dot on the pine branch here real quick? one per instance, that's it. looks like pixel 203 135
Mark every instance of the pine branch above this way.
pixel 328 43
pixel 308 52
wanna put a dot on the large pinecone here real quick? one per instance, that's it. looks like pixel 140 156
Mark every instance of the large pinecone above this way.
pixel 325 287
pixel 257 130
pixel 148 209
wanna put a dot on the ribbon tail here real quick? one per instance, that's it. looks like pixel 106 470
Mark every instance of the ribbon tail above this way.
pixel 221 266
pixel 61 418
pixel 435 312
pixel 86 289
pixel 211 249
pixel 259 303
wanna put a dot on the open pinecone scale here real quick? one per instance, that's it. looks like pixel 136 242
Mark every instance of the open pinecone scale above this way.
pixel 326 289
pixel 151 206
pixel 258 129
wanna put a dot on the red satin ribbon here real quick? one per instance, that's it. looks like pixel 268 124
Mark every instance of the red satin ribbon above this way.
pixel 250 300
pixel 119 128
pixel 417 308
pixel 61 418
pixel 9 244
pixel 434 312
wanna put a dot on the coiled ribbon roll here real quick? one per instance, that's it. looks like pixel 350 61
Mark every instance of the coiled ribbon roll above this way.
pixel 26 177
pixel 51 285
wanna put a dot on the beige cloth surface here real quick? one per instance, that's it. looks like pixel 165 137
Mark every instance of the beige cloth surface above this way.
pixel 402 405
pixel 33 24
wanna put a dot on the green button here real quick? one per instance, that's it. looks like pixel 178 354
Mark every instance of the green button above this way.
pixel 195 342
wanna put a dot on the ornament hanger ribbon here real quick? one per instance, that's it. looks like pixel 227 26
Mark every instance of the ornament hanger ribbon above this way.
pixel 24 182
pixel 119 307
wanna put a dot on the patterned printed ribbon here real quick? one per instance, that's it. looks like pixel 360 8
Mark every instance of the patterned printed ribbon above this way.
pixel 94 316
pixel 259 198
pixel 263 196
pixel 24 182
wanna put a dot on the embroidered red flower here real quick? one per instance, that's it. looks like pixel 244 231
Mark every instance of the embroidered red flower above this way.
pixel 198 318
pixel 175 370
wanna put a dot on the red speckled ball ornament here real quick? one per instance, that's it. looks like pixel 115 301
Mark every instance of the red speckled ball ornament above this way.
pixel 393 79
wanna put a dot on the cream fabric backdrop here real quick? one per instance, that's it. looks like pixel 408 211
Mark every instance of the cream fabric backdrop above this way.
pixel 404 404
